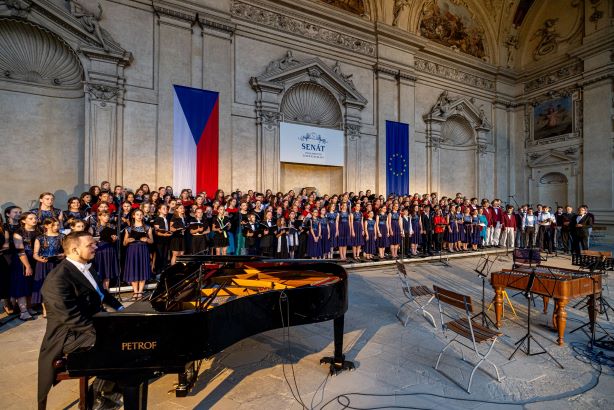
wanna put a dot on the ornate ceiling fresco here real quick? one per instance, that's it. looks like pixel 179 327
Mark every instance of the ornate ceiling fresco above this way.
pixel 512 33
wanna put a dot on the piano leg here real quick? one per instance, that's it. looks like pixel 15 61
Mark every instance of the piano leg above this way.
pixel 561 318
pixel 337 362
pixel 135 395
pixel 186 380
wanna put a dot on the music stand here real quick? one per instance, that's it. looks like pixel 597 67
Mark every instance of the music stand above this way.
pixel 591 304
pixel 480 268
pixel 526 339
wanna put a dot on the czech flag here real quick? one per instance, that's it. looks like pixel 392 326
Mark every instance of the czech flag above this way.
pixel 195 139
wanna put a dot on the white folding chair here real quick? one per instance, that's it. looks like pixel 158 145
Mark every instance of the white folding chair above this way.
pixel 421 296
pixel 465 328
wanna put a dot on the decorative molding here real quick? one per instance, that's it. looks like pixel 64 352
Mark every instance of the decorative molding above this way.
pixel 301 28
pixel 19 8
pixel 352 131
pixel 569 155
pixel 31 54
pixel 269 119
pixel 194 19
pixel 393 72
pixel 102 92
pixel 453 74
pixel 554 76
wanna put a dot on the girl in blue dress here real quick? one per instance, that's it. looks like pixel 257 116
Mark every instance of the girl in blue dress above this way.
pixel 327 251
pixel 467 228
pixel 483 225
pixel 74 211
pixel 370 236
pixel 137 269
pixel 395 230
pixel 382 231
pixel 451 236
pixel 314 244
pixel 343 231
pixel 106 261
pixel 48 253
pixel 46 210
pixel 357 238
pixel 332 217
pixel 460 237
pixel 23 263
pixel 475 230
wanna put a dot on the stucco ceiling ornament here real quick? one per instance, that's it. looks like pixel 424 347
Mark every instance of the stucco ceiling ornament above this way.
pixel 548 36
pixel 399 6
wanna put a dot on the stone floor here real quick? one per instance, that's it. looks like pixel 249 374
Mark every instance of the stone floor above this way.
pixel 394 364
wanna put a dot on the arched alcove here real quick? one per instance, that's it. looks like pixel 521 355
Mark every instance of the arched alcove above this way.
pixel 310 103
pixel 552 189
pixel 457 131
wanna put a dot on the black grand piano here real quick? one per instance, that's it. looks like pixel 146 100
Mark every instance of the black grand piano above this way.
pixel 201 306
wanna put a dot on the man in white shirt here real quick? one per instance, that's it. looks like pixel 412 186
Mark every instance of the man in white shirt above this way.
pixel 545 221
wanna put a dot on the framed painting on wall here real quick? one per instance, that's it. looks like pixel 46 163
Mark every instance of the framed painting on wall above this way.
pixel 552 118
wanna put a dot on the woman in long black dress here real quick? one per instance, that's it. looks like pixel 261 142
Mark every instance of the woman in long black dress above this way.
pixel 220 227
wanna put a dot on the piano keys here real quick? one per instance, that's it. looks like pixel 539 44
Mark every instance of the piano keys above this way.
pixel 558 283
pixel 204 304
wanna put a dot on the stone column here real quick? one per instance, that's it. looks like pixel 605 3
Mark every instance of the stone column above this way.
pixel 433 140
pixel 499 187
pixel 598 152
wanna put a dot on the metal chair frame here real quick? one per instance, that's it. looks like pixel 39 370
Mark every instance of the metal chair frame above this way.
pixel 461 325
pixel 413 293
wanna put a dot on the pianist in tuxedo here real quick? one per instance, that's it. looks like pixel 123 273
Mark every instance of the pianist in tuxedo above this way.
pixel 73 293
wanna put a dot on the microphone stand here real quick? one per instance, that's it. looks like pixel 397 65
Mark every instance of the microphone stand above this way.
pixel 119 244
pixel 486 266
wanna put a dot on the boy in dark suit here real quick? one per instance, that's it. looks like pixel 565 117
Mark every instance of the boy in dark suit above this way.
pixel 73 294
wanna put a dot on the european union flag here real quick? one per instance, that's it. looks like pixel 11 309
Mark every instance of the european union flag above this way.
pixel 397 158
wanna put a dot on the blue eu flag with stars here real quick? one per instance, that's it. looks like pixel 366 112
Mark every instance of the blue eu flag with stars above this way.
pixel 397 158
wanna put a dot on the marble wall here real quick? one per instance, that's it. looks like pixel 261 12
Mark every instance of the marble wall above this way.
pixel 118 124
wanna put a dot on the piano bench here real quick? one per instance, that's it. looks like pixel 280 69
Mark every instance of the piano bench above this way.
pixel 60 366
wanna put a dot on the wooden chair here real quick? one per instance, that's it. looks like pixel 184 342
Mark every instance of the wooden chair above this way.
pixel 414 294
pixel 465 328
pixel 61 374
